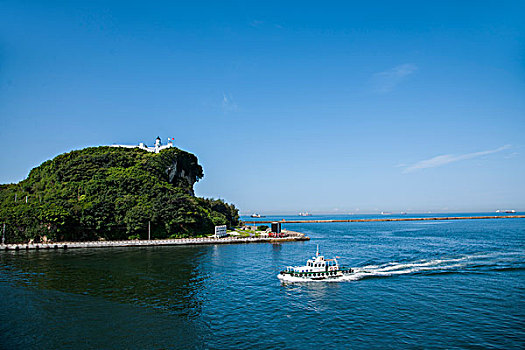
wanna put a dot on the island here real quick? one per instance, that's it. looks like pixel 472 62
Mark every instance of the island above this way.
pixel 110 194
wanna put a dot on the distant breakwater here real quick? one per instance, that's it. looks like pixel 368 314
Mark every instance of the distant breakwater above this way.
pixel 387 219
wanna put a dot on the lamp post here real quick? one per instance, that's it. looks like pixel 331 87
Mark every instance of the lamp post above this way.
pixel 3 234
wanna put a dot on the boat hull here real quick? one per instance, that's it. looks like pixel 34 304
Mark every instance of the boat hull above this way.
pixel 286 276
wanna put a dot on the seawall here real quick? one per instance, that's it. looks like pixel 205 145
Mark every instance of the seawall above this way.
pixel 148 243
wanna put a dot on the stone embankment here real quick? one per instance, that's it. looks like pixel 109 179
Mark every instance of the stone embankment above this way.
pixel 290 237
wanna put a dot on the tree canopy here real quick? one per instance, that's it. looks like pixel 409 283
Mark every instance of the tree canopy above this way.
pixel 112 193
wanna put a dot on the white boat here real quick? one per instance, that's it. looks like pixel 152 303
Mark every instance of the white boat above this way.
pixel 316 269
pixel 255 215
pixel 305 214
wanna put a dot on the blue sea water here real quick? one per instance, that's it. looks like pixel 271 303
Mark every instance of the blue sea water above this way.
pixel 420 285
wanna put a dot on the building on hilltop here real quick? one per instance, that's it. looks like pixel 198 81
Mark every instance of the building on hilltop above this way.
pixel 157 148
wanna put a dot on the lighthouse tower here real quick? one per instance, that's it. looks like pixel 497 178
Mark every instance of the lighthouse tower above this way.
pixel 158 144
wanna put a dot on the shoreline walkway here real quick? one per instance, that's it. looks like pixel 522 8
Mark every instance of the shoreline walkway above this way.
pixel 292 237
pixel 284 221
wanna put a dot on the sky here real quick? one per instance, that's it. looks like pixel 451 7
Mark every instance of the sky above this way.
pixel 327 107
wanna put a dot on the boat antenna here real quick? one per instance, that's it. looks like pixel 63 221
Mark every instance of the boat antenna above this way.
pixel 317 253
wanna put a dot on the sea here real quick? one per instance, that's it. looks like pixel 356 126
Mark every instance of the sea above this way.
pixel 418 285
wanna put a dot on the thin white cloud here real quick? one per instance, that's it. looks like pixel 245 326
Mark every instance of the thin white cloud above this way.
pixel 449 158
pixel 228 104
pixel 512 155
pixel 264 24
pixel 386 81
pixel 256 23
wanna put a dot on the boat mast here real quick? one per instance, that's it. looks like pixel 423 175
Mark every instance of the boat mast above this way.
pixel 317 252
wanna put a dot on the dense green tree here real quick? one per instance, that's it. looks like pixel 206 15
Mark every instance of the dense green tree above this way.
pixel 112 193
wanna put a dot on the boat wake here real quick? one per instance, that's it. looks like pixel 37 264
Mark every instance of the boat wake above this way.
pixel 462 264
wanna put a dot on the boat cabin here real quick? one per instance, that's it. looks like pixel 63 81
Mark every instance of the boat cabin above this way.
pixel 316 264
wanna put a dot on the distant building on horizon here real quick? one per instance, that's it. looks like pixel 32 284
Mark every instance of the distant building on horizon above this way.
pixel 157 148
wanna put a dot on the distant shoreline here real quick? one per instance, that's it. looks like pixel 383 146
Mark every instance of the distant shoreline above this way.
pixel 388 219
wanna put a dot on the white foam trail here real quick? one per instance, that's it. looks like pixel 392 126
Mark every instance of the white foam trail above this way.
pixel 403 266
pixel 444 264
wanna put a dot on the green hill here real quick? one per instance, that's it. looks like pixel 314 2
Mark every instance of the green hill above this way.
pixel 111 193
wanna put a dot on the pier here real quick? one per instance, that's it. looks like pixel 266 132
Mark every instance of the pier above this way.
pixel 388 219
pixel 290 237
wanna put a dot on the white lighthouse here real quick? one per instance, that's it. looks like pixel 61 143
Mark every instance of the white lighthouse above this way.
pixel 156 148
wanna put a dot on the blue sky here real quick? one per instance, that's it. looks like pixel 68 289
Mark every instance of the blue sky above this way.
pixel 290 106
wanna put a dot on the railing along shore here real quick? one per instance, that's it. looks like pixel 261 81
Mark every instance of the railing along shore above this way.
pixel 284 221
pixel 290 237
